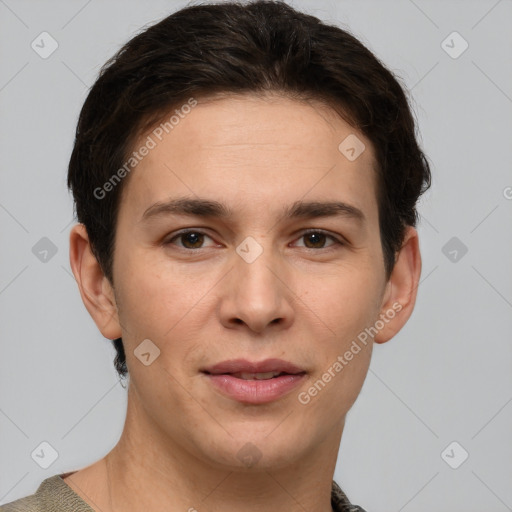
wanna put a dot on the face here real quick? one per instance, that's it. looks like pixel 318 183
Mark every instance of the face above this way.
pixel 258 273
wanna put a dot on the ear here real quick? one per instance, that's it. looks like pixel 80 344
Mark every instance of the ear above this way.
pixel 95 289
pixel 401 289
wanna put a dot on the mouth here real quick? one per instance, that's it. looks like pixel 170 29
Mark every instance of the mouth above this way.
pixel 242 368
pixel 254 382
pixel 254 376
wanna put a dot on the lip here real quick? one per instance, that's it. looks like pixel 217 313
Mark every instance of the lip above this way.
pixel 243 365
pixel 254 391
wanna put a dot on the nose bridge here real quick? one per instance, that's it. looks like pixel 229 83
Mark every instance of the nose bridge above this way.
pixel 255 265
pixel 256 294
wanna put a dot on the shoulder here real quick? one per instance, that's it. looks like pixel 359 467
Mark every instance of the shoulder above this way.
pixel 52 495
pixel 28 504
pixel 340 502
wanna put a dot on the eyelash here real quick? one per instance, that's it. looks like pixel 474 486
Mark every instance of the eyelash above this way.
pixel 303 234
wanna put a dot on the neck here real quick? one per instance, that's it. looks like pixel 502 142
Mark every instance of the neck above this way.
pixel 148 470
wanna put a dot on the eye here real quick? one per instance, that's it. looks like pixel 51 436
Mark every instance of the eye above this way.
pixel 194 239
pixel 316 238
pixel 191 239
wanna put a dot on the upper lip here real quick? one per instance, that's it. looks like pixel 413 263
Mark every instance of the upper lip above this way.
pixel 243 365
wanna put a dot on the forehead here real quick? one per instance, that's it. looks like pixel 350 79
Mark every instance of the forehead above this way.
pixel 248 149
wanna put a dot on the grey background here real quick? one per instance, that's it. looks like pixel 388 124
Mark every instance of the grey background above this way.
pixel 445 377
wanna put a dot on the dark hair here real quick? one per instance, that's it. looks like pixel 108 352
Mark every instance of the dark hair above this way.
pixel 255 47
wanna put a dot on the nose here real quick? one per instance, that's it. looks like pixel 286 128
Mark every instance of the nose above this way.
pixel 257 294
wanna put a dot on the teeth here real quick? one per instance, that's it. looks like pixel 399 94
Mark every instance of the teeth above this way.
pixel 255 376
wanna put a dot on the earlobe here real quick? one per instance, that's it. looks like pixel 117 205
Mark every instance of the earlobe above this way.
pixel 95 289
pixel 401 289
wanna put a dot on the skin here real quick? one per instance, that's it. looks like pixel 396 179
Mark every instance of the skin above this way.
pixel 303 300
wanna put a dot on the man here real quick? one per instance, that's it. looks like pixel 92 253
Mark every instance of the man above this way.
pixel 245 179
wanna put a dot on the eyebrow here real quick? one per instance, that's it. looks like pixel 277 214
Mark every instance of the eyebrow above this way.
pixel 207 208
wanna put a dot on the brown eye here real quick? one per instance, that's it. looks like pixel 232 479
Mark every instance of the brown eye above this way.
pixel 189 239
pixel 316 239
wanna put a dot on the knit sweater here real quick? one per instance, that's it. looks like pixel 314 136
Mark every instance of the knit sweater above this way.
pixel 55 495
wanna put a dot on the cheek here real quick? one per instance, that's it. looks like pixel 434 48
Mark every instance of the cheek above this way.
pixel 151 292
pixel 353 305
pixel 346 300
pixel 159 303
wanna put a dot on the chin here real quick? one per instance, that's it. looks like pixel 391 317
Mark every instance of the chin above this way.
pixel 260 451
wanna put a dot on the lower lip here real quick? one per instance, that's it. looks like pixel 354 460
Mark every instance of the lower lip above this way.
pixel 255 391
